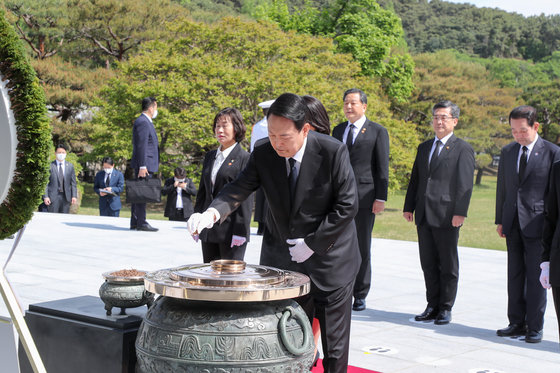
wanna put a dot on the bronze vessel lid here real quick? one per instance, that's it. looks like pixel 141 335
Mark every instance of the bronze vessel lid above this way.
pixel 227 281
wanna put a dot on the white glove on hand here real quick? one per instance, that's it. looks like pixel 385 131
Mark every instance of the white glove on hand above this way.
pixel 197 222
pixel 237 240
pixel 545 275
pixel 299 252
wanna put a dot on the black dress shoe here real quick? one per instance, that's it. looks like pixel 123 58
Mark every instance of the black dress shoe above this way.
pixel 429 313
pixel 533 336
pixel 147 228
pixel 513 330
pixel 359 304
pixel 443 317
pixel 132 227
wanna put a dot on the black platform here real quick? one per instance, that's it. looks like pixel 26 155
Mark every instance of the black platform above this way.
pixel 75 335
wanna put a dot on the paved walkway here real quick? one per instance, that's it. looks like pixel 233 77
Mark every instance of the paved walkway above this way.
pixel 62 256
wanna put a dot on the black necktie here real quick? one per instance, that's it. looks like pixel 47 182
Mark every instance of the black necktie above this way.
pixel 60 178
pixel 350 136
pixel 108 180
pixel 435 155
pixel 292 178
pixel 522 162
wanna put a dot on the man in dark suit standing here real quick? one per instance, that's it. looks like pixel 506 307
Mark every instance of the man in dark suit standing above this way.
pixel 368 145
pixel 312 199
pixel 109 184
pixel 145 158
pixel 62 188
pixel 523 176
pixel 439 194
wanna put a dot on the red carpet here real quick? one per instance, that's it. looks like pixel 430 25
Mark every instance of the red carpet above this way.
pixel 351 369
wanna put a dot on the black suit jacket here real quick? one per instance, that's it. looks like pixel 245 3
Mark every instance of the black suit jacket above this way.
pixel 70 184
pixel 526 198
pixel 369 157
pixel 324 207
pixel 437 195
pixel 237 223
pixel 144 145
pixel 170 191
pixel 551 232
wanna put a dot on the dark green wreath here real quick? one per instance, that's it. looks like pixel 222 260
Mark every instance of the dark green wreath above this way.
pixel 27 101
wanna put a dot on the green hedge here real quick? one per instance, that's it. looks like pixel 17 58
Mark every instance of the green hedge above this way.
pixel 33 132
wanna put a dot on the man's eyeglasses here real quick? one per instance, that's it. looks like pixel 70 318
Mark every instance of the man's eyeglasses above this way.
pixel 443 118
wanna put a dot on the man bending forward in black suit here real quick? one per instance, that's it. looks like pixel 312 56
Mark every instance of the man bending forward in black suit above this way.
pixel 523 175
pixel 439 193
pixel 313 200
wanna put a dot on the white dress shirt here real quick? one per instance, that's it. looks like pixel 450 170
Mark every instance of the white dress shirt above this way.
pixel 529 151
pixel 221 156
pixel 356 130
pixel 443 142
pixel 298 157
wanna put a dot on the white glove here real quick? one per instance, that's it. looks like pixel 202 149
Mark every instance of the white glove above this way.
pixel 197 222
pixel 237 240
pixel 545 275
pixel 299 252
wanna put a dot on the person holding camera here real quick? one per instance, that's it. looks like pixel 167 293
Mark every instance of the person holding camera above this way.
pixel 178 190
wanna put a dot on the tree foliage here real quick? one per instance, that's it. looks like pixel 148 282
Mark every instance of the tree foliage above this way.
pixel 115 28
pixel 371 34
pixel 43 28
pixel 231 63
pixel 435 25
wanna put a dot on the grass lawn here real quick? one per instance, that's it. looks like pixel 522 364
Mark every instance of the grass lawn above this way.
pixel 479 229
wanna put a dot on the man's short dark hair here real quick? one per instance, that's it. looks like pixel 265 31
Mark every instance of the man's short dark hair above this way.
pixel 148 102
pixel 60 146
pixel 290 106
pixel 236 119
pixel 363 97
pixel 108 160
pixel 524 111
pixel 180 173
pixel 455 111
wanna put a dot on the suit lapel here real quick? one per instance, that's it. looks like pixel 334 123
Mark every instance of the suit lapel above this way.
pixel 362 132
pixel 534 157
pixel 309 167
pixel 446 150
pixel 229 161
pixel 278 176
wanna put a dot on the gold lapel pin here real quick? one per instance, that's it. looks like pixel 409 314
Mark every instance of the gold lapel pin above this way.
pixel 447 147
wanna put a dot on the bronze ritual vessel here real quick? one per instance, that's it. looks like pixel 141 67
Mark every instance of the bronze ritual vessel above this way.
pixel 225 317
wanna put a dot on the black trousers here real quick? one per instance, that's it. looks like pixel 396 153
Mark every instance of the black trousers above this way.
pixel 138 211
pixel 177 215
pixel 364 225
pixel 440 263
pixel 213 251
pixel 526 296
pixel 556 296
pixel 333 309
pixel 59 204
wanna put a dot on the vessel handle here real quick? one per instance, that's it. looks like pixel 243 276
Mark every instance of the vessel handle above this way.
pixel 286 314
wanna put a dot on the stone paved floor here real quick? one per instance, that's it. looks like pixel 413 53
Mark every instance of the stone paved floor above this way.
pixel 62 256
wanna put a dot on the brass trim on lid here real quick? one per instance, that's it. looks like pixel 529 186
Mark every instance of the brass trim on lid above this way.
pixel 211 283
